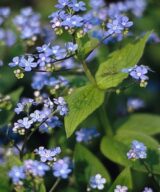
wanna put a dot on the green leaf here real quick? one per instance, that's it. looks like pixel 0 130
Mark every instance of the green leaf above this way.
pixel 127 137
pixel 87 165
pixel 109 73
pixel 7 115
pixel 144 123
pixel 82 103
pixel 116 151
pixel 124 179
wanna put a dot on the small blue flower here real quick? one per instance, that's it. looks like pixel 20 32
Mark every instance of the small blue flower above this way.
pixel 17 175
pixel 124 20
pixel 77 6
pixel 15 62
pixel 61 106
pixel 139 72
pixel 120 188
pixel 37 116
pixel 19 108
pixel 135 104
pixel 46 154
pixel 58 52
pixel 73 21
pixel 43 59
pixel 28 63
pixel 86 135
pixel 138 151
pixel 114 27
pixel 62 168
pixel 25 122
pixel 62 3
pixel 97 182
pixel 71 47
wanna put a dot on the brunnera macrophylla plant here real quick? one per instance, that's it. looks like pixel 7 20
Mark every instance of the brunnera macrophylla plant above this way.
pixel 57 132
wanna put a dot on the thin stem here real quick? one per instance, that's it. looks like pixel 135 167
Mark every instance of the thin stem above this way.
pixel 151 173
pixel 98 45
pixel 55 185
pixel 88 73
pixel 105 121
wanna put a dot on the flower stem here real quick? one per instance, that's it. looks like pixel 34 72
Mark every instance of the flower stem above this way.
pixel 55 185
pixel 151 174
pixel 88 73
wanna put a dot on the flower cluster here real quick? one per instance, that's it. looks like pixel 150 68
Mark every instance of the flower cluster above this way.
pixel 43 118
pixel 86 135
pixel 46 154
pixel 7 36
pixel 97 182
pixel 28 23
pixel 66 18
pixel 44 59
pixel 62 168
pixel 30 167
pixel 138 151
pixel 118 25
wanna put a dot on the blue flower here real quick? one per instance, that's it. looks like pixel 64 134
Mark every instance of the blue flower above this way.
pixel 77 6
pixel 124 20
pixel 43 48
pixel 62 3
pixel 43 59
pixel 61 106
pixel 147 189
pixel 46 154
pixel 86 135
pixel 25 122
pixel 17 174
pixel 28 23
pixel 58 52
pixel 15 62
pixel 28 63
pixel 120 188
pixel 62 168
pixel 97 182
pixel 19 108
pixel 114 27
pixel 135 104
pixel 73 21
pixel 139 72
pixel 35 168
pixel 37 116
pixel 118 25
pixel 138 151
pixel 71 47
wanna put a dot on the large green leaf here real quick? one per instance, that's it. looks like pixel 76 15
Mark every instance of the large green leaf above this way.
pixel 116 151
pixel 124 179
pixel 7 115
pixel 87 165
pixel 110 72
pixel 81 104
pixel 144 123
